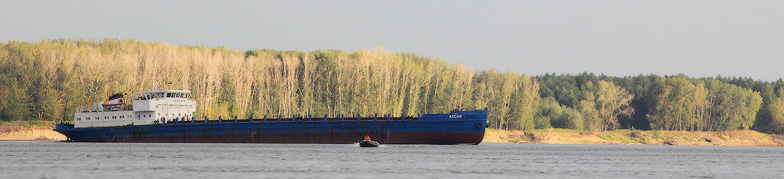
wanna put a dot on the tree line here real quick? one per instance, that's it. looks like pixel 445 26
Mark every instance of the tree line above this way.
pixel 675 102
pixel 47 80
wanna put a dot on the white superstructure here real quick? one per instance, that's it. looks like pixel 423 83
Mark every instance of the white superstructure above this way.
pixel 153 107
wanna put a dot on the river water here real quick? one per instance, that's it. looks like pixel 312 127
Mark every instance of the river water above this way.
pixel 50 159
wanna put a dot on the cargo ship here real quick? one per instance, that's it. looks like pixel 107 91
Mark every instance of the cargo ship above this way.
pixel 166 116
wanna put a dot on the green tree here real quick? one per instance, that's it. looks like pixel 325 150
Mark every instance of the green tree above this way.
pixel 674 108
pixel 610 101
pixel 776 108
pixel 14 101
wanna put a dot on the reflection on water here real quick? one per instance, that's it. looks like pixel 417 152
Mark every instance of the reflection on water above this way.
pixel 46 159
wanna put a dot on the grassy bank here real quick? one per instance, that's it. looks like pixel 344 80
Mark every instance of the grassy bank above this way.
pixel 567 136
pixel 20 125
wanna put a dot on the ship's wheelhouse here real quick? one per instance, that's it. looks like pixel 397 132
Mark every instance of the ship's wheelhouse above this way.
pixel 156 107
pixel 152 107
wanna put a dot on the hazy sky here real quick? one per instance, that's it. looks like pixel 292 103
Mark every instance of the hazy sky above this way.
pixel 697 38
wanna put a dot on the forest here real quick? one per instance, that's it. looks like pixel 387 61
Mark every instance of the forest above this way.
pixel 47 80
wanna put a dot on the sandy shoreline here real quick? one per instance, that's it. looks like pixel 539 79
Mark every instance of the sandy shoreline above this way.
pixel 30 134
pixel 634 137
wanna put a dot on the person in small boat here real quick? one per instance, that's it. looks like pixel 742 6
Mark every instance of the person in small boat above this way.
pixel 367 137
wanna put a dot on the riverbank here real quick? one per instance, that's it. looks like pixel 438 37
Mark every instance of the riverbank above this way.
pixel 41 131
pixel 31 134
pixel 624 137
pixel 29 130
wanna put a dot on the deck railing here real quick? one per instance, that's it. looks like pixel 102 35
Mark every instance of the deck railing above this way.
pixel 294 118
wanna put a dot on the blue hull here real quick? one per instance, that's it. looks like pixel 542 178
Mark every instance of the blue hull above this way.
pixel 462 127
